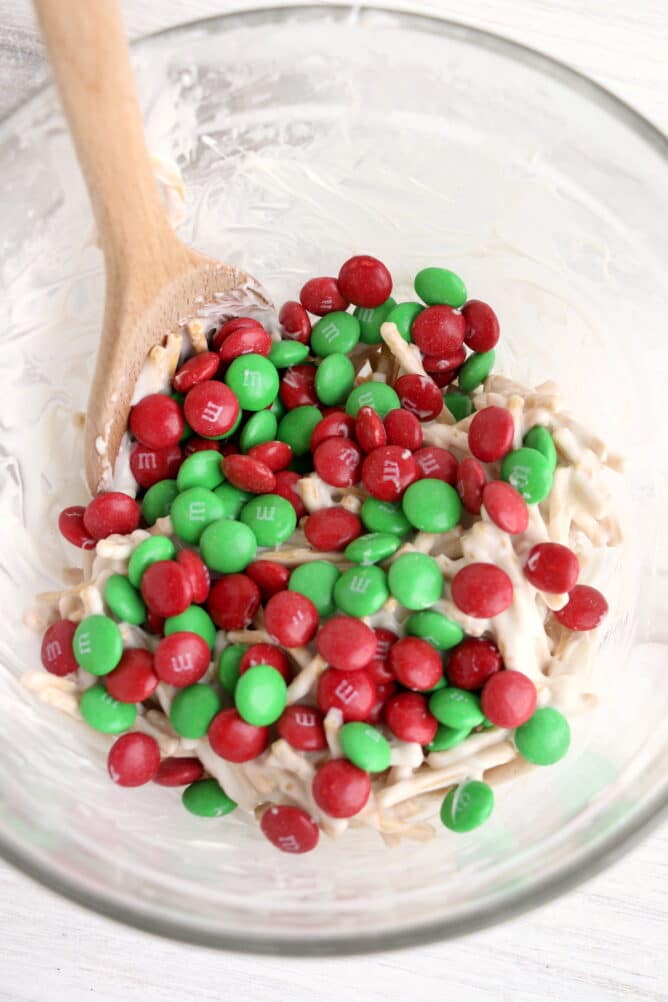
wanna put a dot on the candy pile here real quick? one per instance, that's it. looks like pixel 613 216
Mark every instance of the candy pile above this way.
pixel 348 590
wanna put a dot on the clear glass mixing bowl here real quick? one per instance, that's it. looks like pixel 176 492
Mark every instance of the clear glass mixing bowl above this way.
pixel 304 135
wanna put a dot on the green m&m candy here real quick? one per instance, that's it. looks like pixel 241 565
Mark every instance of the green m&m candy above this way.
pixel 149 551
pixel 365 746
pixel 278 408
pixel 286 353
pixel 97 645
pixel 335 332
pixel 379 396
pixel 456 708
pixel 334 379
pixel 123 600
pixel 228 666
pixel 271 518
pixel 529 472
pixel 104 713
pixel 193 709
pixel 432 505
pixel 361 591
pixel 370 320
pixel 441 632
pixel 416 580
pixel 254 381
pixel 158 501
pixel 193 620
pixel 437 286
pixel 233 499
pixel 540 439
pixel 193 510
pixel 297 427
pixel 459 405
pixel 467 806
pixel 316 580
pixel 207 799
pixel 228 546
pixel 475 370
pixel 402 316
pixel 260 695
pixel 260 427
pixel 372 548
pixel 545 738
pixel 384 516
pixel 202 469
pixel 448 737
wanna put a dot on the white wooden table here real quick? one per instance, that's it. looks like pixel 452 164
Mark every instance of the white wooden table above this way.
pixel 605 942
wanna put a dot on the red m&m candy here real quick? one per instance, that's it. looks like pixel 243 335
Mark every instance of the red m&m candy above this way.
pixel 340 789
pixel 133 680
pixel 266 654
pixel 321 296
pixel 585 610
pixel 471 479
pixel 233 601
pixel 436 464
pixel 508 698
pixel 134 759
pixel 249 474
pixel 388 471
pixel 109 513
pixel 482 326
pixel 415 663
pixel 552 567
pixel 346 643
pixel 182 659
pixel 491 434
pixel 338 424
pixel 403 429
pixel 365 281
pixel 302 727
pixel 197 574
pixel 352 692
pixel 181 771
pixel 57 652
pixel 408 717
pixel 482 590
pixel 148 466
pixel 472 662
pixel 290 829
pixel 420 395
pixel 269 576
pixel 338 462
pixel 332 528
pixel 233 739
pixel 71 527
pixel 369 429
pixel 157 421
pixel 166 588
pixel 211 408
pixel 291 618
pixel 506 507
pixel 196 370
pixel 295 322
pixel 439 331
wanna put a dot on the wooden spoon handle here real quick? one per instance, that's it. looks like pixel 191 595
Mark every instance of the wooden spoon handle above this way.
pixel 89 55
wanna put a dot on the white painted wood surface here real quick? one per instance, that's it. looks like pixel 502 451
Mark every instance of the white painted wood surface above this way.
pixel 605 942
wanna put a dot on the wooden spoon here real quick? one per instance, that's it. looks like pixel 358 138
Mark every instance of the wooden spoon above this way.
pixel 153 281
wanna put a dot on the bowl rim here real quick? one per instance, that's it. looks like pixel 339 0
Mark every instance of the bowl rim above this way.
pixel 591 861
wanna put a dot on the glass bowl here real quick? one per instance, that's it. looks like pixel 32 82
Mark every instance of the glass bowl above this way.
pixel 305 135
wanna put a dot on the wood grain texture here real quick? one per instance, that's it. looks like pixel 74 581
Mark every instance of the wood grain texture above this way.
pixel 606 941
